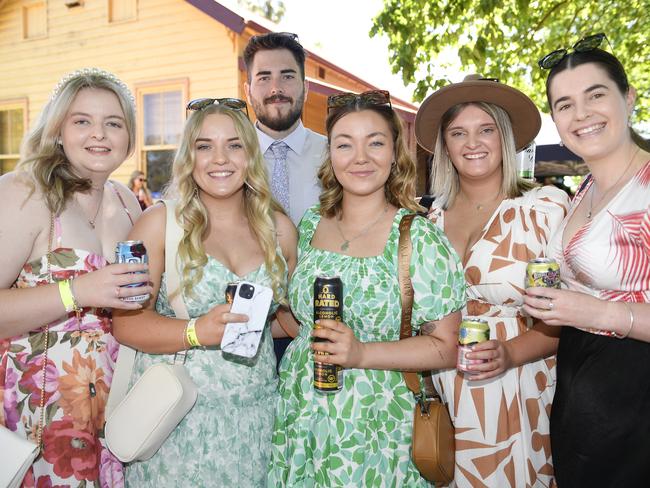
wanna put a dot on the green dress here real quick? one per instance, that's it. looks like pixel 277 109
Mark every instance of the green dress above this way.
pixel 360 436
pixel 224 440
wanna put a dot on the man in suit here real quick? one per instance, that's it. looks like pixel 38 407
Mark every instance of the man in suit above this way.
pixel 276 89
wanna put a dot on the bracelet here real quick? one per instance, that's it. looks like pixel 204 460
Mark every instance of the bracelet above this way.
pixel 629 329
pixel 185 346
pixel 190 333
pixel 67 297
pixel 77 307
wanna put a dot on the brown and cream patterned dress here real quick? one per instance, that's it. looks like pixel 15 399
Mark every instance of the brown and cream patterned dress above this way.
pixel 502 424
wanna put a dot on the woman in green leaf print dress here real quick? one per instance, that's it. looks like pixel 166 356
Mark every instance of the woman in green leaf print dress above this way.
pixel 361 435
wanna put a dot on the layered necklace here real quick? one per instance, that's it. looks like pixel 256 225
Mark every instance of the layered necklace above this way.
pixel 346 242
pixel 611 188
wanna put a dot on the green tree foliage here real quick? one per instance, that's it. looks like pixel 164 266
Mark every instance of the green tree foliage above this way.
pixel 270 9
pixel 505 38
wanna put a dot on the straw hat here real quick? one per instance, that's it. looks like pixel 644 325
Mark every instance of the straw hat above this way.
pixel 523 113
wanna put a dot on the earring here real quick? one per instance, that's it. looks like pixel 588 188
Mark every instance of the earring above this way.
pixel 561 144
pixel 58 141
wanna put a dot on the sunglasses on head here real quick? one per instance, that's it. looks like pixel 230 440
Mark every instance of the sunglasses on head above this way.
pixel 584 45
pixel 372 98
pixel 232 103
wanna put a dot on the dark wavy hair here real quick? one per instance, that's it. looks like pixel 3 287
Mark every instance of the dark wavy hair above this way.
pixel 610 65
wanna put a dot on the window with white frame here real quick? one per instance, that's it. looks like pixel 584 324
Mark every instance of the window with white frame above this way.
pixel 12 128
pixel 161 116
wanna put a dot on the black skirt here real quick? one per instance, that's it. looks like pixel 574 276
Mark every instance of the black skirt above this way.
pixel 600 419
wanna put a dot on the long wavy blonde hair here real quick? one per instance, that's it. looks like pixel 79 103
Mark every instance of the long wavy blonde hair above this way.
pixel 400 186
pixel 44 160
pixel 192 215
pixel 444 177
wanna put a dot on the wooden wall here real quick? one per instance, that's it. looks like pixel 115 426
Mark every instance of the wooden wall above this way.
pixel 169 40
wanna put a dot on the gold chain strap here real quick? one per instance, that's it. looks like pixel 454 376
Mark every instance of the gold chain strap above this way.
pixel 41 421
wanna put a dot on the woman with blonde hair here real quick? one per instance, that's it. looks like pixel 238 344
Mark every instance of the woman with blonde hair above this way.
pixel 361 435
pixel 59 223
pixel 232 230
pixel 497 222
pixel 138 185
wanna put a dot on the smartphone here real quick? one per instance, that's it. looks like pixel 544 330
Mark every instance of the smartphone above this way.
pixel 243 338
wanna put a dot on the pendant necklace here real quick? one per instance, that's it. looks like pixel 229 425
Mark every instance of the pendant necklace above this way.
pixel 593 189
pixel 99 206
pixel 480 206
pixel 346 242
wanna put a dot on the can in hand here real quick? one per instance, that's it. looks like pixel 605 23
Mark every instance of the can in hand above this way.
pixel 472 331
pixel 328 304
pixel 543 272
pixel 132 252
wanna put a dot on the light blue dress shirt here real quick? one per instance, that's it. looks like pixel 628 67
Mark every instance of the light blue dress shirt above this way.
pixel 307 150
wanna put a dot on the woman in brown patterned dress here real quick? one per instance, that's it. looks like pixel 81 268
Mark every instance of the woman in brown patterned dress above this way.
pixel 496 222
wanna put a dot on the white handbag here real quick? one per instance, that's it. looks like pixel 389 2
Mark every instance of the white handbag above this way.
pixel 17 454
pixel 139 422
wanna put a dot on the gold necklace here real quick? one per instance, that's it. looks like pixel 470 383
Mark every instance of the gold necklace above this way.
pixel 480 206
pixel 593 189
pixel 346 242
pixel 99 206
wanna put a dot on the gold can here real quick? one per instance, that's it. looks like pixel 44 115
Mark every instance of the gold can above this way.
pixel 471 331
pixel 543 272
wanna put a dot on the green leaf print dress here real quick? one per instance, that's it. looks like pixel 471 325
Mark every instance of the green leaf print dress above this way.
pixel 360 436
pixel 224 440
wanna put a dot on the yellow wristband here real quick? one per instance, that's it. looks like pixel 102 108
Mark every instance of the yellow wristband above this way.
pixel 190 333
pixel 65 292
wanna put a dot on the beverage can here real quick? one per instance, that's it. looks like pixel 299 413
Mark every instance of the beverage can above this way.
pixel 328 304
pixel 544 272
pixel 471 331
pixel 132 252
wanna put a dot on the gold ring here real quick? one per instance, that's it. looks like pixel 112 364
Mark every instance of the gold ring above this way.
pixel 117 291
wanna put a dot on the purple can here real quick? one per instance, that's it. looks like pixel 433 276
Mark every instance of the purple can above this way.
pixel 132 252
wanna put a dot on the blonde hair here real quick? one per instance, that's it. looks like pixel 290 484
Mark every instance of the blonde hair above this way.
pixel 444 177
pixel 192 215
pixel 44 160
pixel 400 186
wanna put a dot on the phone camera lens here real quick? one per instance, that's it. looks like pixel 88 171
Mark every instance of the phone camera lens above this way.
pixel 246 291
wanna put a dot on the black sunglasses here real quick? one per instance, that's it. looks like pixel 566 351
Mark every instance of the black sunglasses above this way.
pixel 584 45
pixel 372 97
pixel 232 103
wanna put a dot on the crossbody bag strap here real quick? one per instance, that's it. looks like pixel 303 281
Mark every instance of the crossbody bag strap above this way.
pixel 405 250
pixel 173 236
pixel 126 355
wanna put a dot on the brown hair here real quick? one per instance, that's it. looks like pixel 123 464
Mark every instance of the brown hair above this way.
pixel 400 186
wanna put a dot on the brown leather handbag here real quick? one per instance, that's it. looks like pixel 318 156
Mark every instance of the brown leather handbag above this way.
pixel 433 447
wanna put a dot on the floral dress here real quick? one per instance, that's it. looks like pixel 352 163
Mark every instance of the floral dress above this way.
pixel 360 436
pixel 600 426
pixel 80 361
pixel 502 424
pixel 225 439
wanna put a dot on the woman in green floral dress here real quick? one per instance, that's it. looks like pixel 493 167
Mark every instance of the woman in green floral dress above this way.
pixel 361 435
pixel 232 230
